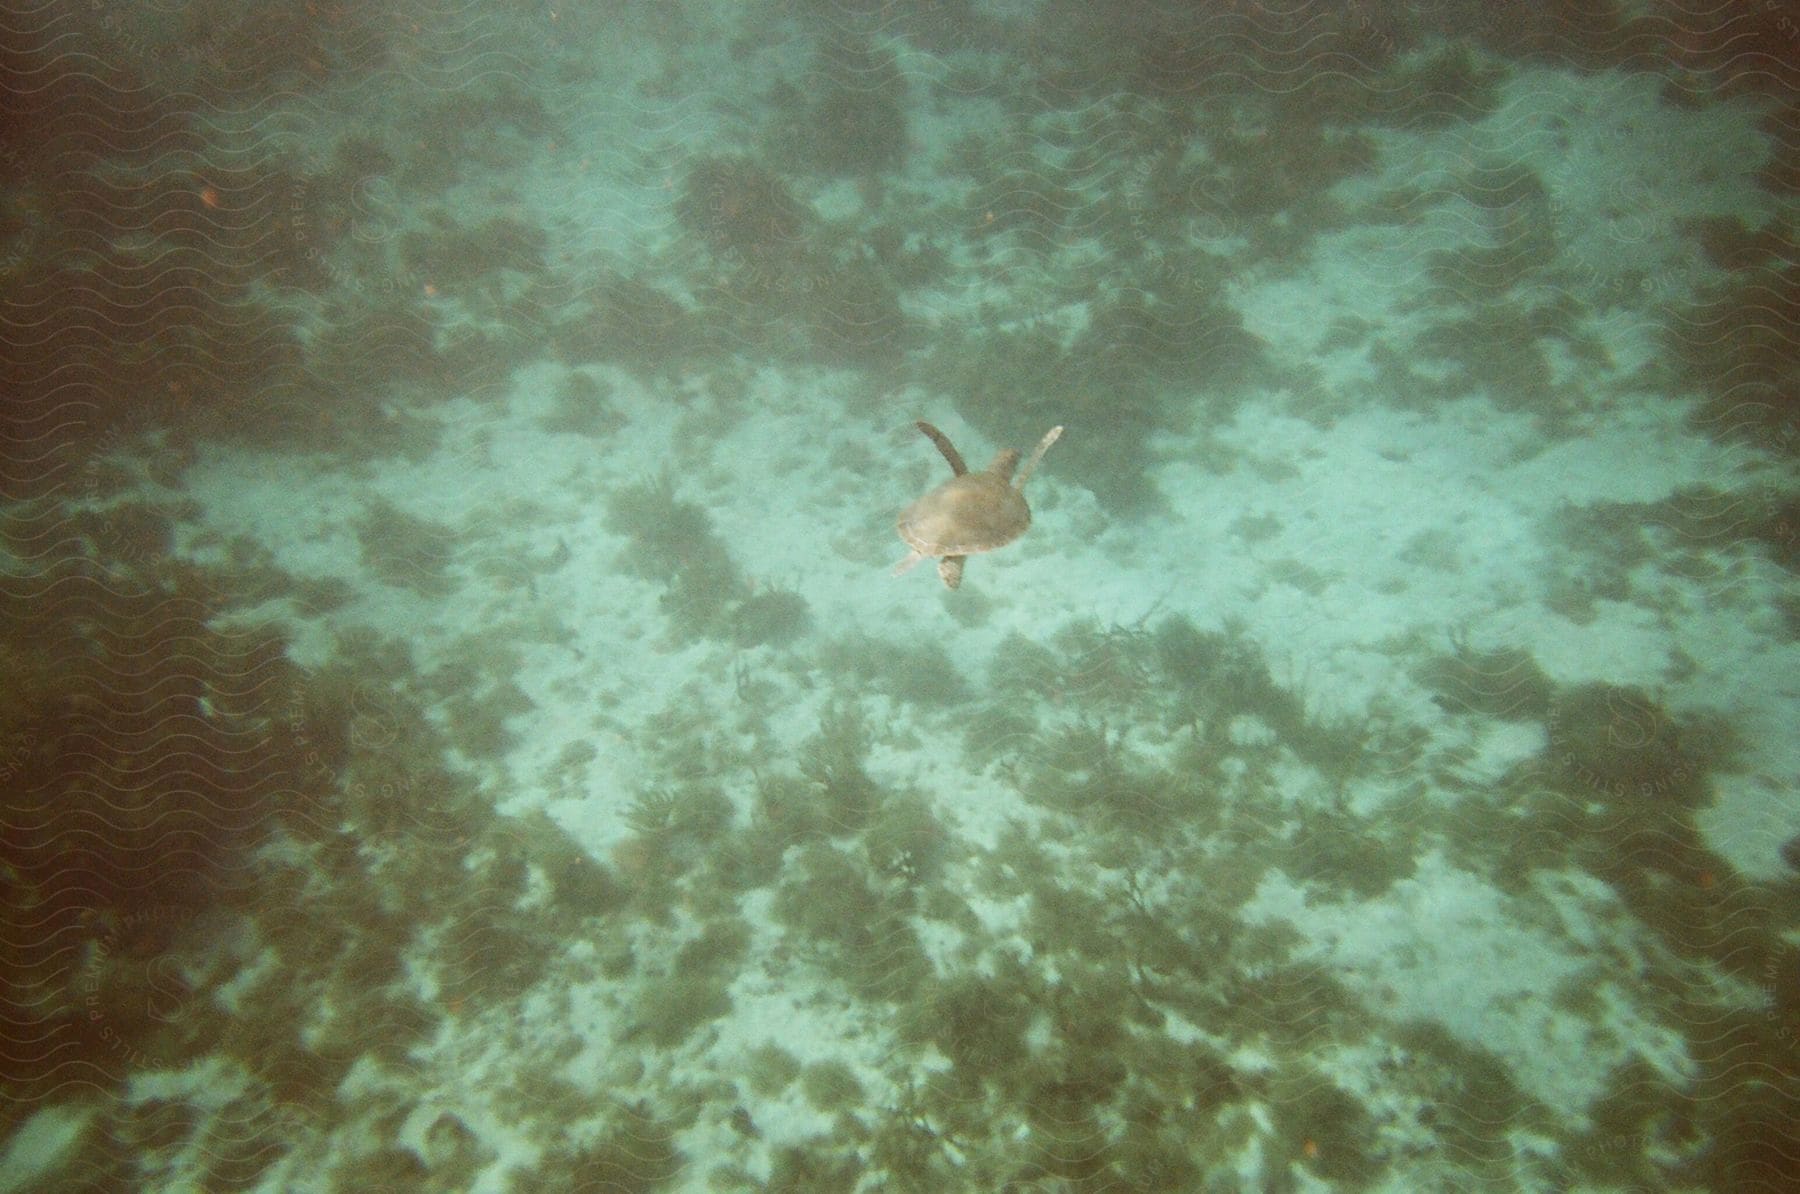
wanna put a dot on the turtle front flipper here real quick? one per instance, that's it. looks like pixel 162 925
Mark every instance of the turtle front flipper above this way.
pixel 908 564
pixel 943 445
pixel 1037 454
pixel 950 568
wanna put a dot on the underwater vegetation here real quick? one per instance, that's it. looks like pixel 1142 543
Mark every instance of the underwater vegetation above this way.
pixel 1614 793
pixel 1127 726
pixel 978 1024
pixel 172 300
pixel 458 258
pixel 189 811
pixel 1102 670
pixel 919 673
pixel 625 320
pixel 1074 1082
pixel 406 551
pixel 1137 1032
pixel 1217 676
pixel 739 207
pixel 831 1086
pixel 677 828
pixel 1621 745
pixel 635 1153
pixel 1090 744
pixel 854 924
pixel 692 992
pixel 849 120
pixel 1733 1127
pixel 704 596
pixel 1131 372
pixel 1638 551
pixel 110 333
pixel 1517 241
pixel 771 615
pixel 831 303
pixel 1126 754
pixel 834 760
pixel 1504 682
pixel 141 766
pixel 1087 768
pixel 783 283
pixel 146 756
pixel 1734 345
pixel 1620 805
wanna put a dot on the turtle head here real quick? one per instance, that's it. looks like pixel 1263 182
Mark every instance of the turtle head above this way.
pixel 1005 462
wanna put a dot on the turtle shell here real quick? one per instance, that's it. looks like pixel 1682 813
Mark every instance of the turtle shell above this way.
pixel 965 515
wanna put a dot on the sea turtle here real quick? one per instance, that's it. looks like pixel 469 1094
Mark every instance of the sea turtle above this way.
pixel 971 512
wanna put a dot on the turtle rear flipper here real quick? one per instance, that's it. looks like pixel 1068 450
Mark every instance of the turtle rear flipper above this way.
pixel 950 568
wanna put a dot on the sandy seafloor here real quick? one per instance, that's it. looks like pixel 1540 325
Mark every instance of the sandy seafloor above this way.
pixel 462 733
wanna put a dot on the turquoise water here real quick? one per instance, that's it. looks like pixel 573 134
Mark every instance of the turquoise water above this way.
pixel 462 729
